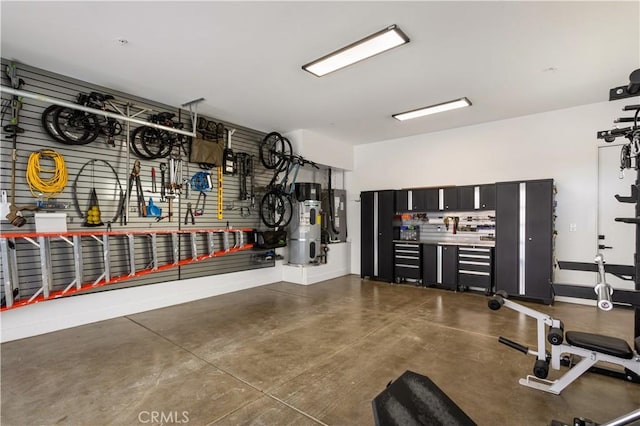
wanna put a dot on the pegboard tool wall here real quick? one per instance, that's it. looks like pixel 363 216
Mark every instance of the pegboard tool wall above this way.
pixel 100 177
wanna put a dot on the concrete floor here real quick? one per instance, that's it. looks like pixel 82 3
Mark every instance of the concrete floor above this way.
pixel 303 355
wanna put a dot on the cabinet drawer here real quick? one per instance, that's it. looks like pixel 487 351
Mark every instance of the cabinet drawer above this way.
pixel 474 279
pixel 474 266
pixel 407 246
pixel 407 252
pixel 476 249
pixel 475 256
pixel 407 260
pixel 408 271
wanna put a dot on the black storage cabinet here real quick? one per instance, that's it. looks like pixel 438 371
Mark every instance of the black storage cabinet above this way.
pixel 429 264
pixel 475 267
pixel 450 197
pixel 376 237
pixel 440 270
pixel 402 200
pixel 407 261
pixel 524 236
pixel 450 267
pixel 466 198
pixel 430 199
pixel 486 199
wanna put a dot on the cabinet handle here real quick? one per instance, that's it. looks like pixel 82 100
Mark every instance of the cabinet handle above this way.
pixel 530 238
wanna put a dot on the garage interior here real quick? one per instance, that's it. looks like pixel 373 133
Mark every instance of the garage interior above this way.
pixel 299 251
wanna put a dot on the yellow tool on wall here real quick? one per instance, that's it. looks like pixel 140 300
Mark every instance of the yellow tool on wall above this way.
pixel 220 215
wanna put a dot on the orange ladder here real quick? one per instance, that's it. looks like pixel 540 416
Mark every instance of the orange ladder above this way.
pixel 9 256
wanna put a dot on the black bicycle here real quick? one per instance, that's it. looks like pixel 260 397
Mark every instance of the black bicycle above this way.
pixel 74 127
pixel 276 206
pixel 150 143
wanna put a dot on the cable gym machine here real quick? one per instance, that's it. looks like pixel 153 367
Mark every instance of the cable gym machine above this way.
pixel 590 349
pixel 415 399
pixel 629 159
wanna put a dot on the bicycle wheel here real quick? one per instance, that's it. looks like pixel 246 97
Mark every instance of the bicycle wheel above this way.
pixel 47 123
pixel 135 144
pixel 271 150
pixel 156 143
pixel 288 211
pixel 201 124
pixel 75 127
pixel 275 210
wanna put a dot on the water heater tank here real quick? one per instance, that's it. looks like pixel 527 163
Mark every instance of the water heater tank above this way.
pixel 304 228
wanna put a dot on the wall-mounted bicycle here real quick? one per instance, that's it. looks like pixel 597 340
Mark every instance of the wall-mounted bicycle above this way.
pixel 74 127
pixel 150 143
pixel 276 204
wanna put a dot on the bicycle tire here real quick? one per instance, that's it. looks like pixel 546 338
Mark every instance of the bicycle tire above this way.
pixel 47 123
pixel 289 211
pixel 135 144
pixel 156 143
pixel 201 124
pixel 74 130
pixel 268 149
pixel 275 209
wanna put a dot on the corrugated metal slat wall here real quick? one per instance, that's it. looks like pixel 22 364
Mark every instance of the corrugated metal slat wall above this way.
pixel 102 179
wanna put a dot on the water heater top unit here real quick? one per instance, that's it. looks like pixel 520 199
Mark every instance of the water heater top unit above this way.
pixel 307 191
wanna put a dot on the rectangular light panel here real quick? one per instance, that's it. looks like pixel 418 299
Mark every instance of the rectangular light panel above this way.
pixel 369 46
pixel 433 109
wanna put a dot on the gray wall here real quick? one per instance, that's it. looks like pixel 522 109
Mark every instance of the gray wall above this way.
pixel 64 88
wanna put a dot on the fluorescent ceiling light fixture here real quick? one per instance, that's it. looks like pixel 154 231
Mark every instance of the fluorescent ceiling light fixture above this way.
pixel 372 45
pixel 433 109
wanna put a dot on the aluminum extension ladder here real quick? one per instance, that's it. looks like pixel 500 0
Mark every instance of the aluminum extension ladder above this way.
pixel 42 241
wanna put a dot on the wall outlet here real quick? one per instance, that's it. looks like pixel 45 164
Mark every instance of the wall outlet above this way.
pixel 573 227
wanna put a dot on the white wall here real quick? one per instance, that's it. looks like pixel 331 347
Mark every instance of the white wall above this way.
pixel 559 144
pixel 321 149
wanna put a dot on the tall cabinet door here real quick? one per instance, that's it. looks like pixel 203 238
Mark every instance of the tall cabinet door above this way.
pixel 524 238
pixel 538 238
pixel 386 211
pixel 367 229
pixel 507 237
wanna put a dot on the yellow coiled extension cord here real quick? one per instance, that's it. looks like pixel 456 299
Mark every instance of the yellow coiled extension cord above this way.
pixel 48 187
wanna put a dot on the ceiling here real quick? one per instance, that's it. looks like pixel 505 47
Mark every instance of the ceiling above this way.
pixel 245 58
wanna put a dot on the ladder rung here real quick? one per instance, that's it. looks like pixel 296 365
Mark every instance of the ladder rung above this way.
pixel 10 267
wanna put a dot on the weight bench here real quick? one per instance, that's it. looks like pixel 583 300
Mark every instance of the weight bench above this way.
pixel 590 348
